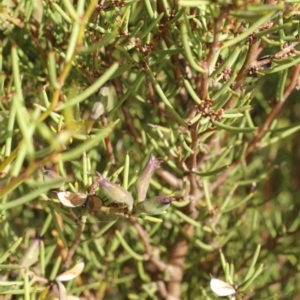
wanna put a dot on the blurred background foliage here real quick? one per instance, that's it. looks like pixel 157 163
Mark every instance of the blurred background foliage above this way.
pixel 211 87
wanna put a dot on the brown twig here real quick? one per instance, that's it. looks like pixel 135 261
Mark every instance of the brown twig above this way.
pixel 161 266
pixel 129 122
pixel 76 242
pixel 128 118
pixel 179 249
pixel 261 132
pixel 109 148
pixel 275 111
pixel 212 51
pixel 170 179
pixel 252 55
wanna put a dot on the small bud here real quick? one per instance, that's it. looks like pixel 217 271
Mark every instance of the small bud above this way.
pixel 51 175
pixel 114 192
pixel 154 206
pixel 143 181
pixel 32 254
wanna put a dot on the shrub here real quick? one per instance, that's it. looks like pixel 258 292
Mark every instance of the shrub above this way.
pixel 210 88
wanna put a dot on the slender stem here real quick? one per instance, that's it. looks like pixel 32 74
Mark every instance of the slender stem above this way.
pixel 252 55
pixel 212 52
pixel 76 242
pixel 275 111
pixel 261 132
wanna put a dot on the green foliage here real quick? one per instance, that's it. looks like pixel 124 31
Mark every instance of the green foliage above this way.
pixel 210 87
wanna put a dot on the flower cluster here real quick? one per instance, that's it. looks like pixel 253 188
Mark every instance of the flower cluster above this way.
pixel 117 195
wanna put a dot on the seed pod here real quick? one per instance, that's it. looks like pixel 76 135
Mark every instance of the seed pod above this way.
pixel 143 181
pixel 97 111
pixel 70 274
pixel 61 290
pixel 32 254
pixel 30 257
pixel 221 288
pixel 114 192
pixel 70 199
pixel 154 206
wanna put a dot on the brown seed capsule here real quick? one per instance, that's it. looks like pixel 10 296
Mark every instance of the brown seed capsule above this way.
pixel 143 181
pixel 93 203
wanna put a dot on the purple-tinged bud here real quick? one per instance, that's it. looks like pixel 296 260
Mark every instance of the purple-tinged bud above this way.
pixel 53 177
pixel 143 181
pixel 114 192
pixel 50 173
pixel 154 206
